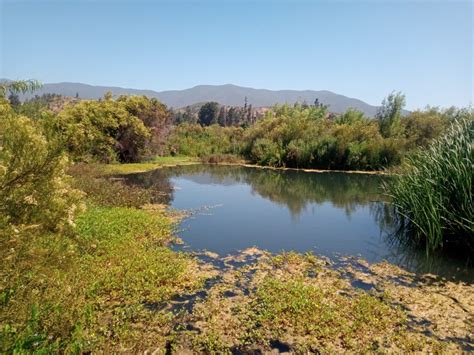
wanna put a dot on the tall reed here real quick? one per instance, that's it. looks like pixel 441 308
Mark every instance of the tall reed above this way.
pixel 434 195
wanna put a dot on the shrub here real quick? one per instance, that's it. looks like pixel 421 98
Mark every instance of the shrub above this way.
pixel 154 115
pixel 197 141
pixel 221 158
pixel 102 130
pixel 266 152
pixel 34 189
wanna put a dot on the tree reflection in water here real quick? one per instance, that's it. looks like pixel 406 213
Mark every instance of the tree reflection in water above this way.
pixel 298 190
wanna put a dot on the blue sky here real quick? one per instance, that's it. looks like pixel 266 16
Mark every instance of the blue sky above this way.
pixel 362 49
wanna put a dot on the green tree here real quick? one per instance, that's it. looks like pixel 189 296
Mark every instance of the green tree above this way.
pixel 154 115
pixel 222 118
pixel 103 130
pixel 388 115
pixel 350 116
pixel 208 113
pixel 14 100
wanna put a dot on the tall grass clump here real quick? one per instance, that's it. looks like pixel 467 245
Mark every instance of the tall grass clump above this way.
pixel 434 194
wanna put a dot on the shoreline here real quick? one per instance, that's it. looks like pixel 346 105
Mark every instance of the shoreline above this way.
pixel 306 170
pixel 132 168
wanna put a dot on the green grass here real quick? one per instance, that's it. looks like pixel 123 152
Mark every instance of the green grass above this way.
pixel 435 192
pixel 173 159
pixel 155 163
pixel 88 292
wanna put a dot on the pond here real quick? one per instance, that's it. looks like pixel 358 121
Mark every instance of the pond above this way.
pixel 332 214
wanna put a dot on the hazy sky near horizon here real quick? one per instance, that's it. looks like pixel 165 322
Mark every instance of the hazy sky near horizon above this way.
pixel 361 49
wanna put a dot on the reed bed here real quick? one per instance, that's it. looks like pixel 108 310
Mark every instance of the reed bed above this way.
pixel 433 196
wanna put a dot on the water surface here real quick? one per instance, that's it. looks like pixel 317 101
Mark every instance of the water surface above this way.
pixel 332 214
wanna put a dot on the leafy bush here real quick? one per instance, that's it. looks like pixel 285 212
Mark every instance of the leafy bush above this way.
pixel 154 115
pixel 435 192
pixel 310 138
pixel 34 189
pixel 108 130
pixel 197 141
pixel 266 152
pixel 221 158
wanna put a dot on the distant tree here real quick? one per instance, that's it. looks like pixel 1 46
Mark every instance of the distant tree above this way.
pixel 189 116
pixel 304 105
pixel 388 115
pixel 351 116
pixel 208 113
pixel 35 106
pixel 108 96
pixel 231 116
pixel 249 114
pixel 14 100
pixel 77 95
pixel 222 118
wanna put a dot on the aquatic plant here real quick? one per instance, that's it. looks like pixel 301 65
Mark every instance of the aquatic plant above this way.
pixel 434 194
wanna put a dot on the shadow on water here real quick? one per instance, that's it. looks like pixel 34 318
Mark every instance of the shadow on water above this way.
pixel 325 213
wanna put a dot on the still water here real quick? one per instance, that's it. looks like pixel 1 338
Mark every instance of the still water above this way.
pixel 333 214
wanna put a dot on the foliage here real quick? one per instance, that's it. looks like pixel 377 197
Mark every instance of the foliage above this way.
pixel 34 189
pixel 110 130
pixel 351 116
pixel 14 100
pixel 37 106
pixel 18 86
pixel 420 128
pixel 434 194
pixel 389 114
pixel 197 141
pixel 154 115
pixel 50 302
pixel 208 113
pixel 221 158
pixel 303 136
pixel 307 138
pixel 226 116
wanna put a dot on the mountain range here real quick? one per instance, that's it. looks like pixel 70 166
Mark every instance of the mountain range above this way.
pixel 223 94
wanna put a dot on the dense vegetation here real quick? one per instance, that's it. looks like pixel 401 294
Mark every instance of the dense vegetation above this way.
pixel 210 113
pixel 85 262
pixel 56 231
pixel 434 195
pixel 305 136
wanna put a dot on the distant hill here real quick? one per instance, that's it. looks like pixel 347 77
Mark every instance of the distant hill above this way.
pixel 223 94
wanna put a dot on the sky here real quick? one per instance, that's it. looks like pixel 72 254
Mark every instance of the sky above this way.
pixel 362 49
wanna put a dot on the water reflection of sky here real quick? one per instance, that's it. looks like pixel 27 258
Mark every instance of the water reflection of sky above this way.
pixel 329 214
pixel 245 219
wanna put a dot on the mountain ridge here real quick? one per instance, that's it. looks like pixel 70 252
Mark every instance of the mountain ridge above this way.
pixel 226 94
